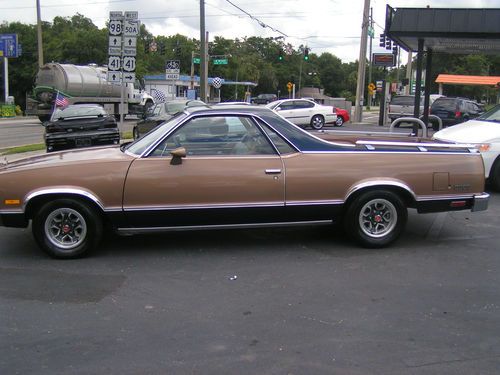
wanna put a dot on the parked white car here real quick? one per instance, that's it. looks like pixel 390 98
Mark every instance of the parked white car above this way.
pixel 304 112
pixel 484 132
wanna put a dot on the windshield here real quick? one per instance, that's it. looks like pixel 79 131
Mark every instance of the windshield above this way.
pixel 77 111
pixel 492 115
pixel 143 143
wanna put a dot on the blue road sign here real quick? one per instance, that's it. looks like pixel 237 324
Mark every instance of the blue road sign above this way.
pixel 8 45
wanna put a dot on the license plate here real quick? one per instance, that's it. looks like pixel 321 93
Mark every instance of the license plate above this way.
pixel 83 142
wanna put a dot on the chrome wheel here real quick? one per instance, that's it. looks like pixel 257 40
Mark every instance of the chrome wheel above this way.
pixel 317 122
pixel 377 218
pixel 339 121
pixel 65 228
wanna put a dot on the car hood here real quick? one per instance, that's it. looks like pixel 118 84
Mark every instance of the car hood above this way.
pixel 91 155
pixel 472 131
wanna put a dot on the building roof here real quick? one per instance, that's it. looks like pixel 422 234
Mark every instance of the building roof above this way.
pixel 450 30
pixel 185 78
pixel 467 80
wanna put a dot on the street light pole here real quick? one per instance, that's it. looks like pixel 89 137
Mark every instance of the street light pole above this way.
pixel 203 54
pixel 39 33
pixel 358 108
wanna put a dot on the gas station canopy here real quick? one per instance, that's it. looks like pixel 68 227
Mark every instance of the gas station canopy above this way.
pixel 456 31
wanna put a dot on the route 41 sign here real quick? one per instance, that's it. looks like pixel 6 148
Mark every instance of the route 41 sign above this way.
pixel 129 63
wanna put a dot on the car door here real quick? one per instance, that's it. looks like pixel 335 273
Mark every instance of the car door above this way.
pixel 231 175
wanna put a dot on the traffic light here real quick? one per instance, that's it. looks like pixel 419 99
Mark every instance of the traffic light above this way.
pixel 280 56
pixel 382 40
pixel 306 54
pixel 177 49
pixel 388 44
pixel 395 49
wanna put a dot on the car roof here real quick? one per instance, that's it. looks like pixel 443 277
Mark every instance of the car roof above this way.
pixel 234 108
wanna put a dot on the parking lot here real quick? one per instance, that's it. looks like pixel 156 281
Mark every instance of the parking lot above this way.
pixel 273 301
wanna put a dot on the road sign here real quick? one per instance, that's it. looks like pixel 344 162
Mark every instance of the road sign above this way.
pixel 114 76
pixel 129 42
pixel 114 50
pixel 114 63
pixel 196 60
pixel 8 44
pixel 371 86
pixel 115 15
pixel 115 27
pixel 289 86
pixel 173 64
pixel 220 61
pixel 131 27
pixel 171 76
pixel 129 63
pixel 115 41
pixel 131 15
pixel 129 51
pixel 128 77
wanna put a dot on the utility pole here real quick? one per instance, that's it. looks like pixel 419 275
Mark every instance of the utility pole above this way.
pixel 203 54
pixel 39 33
pixel 370 67
pixel 408 73
pixel 358 108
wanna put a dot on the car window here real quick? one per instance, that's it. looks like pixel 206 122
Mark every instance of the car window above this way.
pixel 217 135
pixel 444 104
pixel 79 111
pixel 403 100
pixel 287 106
pixel 282 146
pixel 301 104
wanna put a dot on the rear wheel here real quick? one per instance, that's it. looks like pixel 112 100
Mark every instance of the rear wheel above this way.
pixel 495 175
pixel 339 121
pixel 376 218
pixel 67 228
pixel 317 122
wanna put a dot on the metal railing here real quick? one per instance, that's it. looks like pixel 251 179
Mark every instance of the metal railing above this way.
pixel 411 120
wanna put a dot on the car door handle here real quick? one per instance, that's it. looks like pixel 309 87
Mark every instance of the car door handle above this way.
pixel 273 171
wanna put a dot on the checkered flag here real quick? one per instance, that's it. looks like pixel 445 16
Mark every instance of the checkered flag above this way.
pixel 158 95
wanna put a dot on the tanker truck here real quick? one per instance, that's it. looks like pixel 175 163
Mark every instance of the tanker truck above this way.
pixel 83 84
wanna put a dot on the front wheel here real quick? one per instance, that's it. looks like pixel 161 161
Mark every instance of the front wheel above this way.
pixel 376 218
pixel 317 122
pixel 67 228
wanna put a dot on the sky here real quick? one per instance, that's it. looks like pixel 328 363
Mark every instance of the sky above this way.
pixel 323 25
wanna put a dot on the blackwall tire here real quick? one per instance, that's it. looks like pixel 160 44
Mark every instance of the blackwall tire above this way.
pixel 67 228
pixel 376 218
pixel 495 175
pixel 339 121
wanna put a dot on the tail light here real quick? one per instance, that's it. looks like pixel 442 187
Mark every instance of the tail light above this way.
pixel 458 114
pixel 334 110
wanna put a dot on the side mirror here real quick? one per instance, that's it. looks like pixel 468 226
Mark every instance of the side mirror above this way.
pixel 177 155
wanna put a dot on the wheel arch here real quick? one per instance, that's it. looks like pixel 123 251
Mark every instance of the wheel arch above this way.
pixel 36 199
pixel 399 188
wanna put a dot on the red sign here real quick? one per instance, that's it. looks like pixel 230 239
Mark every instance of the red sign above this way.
pixel 383 59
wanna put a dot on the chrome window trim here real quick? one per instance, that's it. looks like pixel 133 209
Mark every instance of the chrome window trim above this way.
pixel 222 226
pixel 194 115
pixel 51 191
pixel 389 152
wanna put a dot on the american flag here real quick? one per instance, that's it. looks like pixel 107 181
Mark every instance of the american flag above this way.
pixel 158 95
pixel 61 100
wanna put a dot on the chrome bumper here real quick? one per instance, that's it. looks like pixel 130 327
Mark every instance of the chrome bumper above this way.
pixel 480 202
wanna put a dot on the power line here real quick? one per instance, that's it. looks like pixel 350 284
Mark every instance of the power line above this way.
pixel 256 19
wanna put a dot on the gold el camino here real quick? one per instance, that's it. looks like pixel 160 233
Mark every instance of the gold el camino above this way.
pixel 234 167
